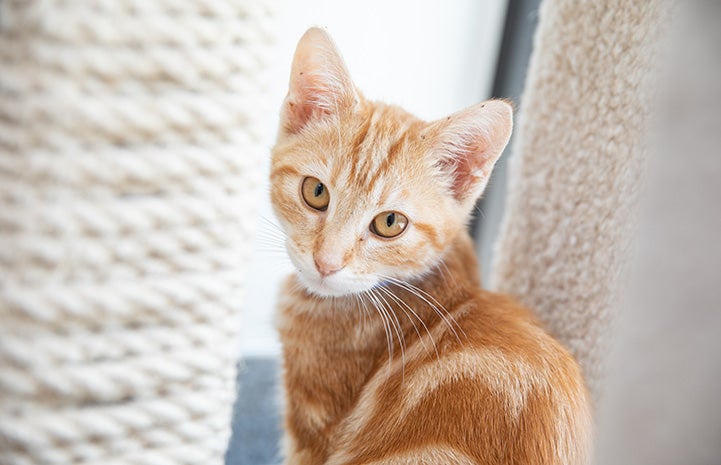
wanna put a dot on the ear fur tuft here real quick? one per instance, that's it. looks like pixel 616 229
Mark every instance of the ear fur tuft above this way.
pixel 320 84
pixel 467 144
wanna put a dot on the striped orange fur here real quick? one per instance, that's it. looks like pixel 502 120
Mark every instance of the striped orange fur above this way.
pixel 393 353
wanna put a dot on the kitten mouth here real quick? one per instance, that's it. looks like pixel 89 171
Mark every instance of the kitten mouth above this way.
pixel 345 282
pixel 333 286
pixel 324 287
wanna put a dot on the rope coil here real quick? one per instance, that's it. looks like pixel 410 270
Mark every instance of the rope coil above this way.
pixel 129 162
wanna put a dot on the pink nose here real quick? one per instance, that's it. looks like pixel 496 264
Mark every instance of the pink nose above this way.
pixel 327 268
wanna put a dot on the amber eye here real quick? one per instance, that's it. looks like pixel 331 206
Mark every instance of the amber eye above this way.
pixel 389 224
pixel 315 193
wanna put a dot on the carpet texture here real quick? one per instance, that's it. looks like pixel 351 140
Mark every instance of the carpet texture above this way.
pixel 578 158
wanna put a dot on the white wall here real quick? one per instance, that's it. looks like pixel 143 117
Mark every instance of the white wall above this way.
pixel 430 57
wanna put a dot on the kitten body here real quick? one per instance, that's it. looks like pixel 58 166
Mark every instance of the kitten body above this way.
pixel 393 353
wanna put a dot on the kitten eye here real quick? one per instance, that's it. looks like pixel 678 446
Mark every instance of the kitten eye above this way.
pixel 389 224
pixel 315 193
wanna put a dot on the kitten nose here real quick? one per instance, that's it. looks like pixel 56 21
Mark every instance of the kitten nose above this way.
pixel 327 267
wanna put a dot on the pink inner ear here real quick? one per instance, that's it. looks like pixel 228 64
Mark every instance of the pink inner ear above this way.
pixel 463 178
pixel 319 82
pixel 298 113
pixel 466 163
pixel 468 143
pixel 303 102
pixel 313 100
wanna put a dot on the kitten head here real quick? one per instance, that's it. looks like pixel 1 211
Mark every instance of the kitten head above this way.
pixel 365 191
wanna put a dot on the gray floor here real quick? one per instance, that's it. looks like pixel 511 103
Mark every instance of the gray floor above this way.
pixel 256 420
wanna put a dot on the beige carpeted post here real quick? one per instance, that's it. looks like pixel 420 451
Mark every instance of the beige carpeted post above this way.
pixel 128 177
pixel 577 167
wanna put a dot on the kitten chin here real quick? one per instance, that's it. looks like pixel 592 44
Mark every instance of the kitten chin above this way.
pixel 340 284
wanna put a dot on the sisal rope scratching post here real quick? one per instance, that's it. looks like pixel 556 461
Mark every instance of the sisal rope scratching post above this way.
pixel 128 175
pixel 575 174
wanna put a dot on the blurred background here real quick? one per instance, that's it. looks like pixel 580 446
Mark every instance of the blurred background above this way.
pixel 661 400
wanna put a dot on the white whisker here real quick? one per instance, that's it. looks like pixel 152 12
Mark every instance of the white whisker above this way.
pixel 386 326
pixel 404 304
pixel 398 330
pixel 433 303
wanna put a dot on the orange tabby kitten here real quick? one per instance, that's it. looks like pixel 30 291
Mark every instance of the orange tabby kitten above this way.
pixel 393 353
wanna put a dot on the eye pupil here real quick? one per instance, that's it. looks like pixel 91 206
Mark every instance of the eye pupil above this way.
pixel 389 224
pixel 315 194
pixel 318 191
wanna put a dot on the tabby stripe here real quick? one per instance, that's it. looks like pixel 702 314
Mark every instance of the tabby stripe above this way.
pixel 431 233
pixel 511 379
pixel 393 151
pixel 430 455
pixel 357 145
pixel 284 170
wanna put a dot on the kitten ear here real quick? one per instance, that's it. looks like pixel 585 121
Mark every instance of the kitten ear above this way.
pixel 468 143
pixel 320 84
